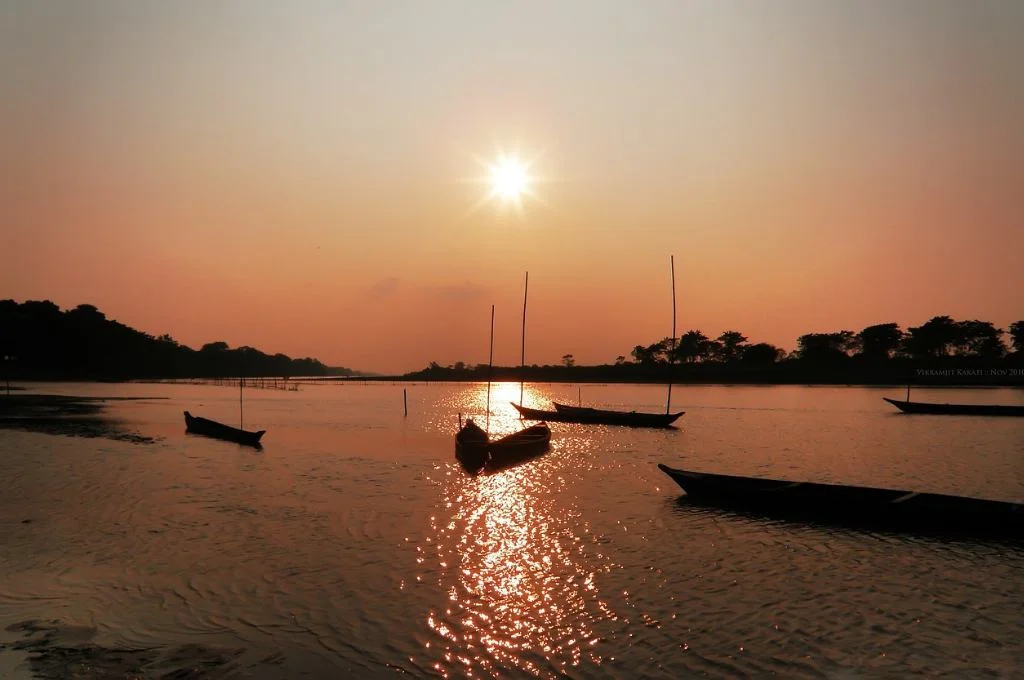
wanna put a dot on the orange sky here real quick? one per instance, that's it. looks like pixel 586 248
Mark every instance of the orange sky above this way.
pixel 292 179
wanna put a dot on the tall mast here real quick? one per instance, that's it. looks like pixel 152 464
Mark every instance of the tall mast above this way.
pixel 522 358
pixel 490 361
pixel 672 264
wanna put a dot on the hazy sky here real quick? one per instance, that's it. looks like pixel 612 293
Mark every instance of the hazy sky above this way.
pixel 291 175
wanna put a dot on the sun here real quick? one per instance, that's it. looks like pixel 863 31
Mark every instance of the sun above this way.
pixel 509 181
pixel 509 178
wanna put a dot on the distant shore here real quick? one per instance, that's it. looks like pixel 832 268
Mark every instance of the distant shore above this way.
pixel 690 383
pixel 959 374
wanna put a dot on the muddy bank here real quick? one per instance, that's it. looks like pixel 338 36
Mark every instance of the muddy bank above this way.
pixel 64 415
pixel 54 651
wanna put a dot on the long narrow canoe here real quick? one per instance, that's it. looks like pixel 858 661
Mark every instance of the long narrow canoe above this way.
pixel 956 409
pixel 211 428
pixel 593 416
pixel 479 454
pixel 856 504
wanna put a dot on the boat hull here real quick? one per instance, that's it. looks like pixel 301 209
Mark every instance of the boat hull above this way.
pixel 211 428
pixel 592 416
pixel 478 454
pixel 956 409
pixel 852 504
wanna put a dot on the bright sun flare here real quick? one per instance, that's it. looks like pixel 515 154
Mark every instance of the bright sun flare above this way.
pixel 509 178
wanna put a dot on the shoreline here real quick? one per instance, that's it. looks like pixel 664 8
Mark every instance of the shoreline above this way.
pixel 71 416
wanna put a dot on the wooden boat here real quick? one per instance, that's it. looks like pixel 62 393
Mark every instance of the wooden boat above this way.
pixel 908 406
pixel 211 428
pixel 593 416
pixel 477 453
pixel 851 504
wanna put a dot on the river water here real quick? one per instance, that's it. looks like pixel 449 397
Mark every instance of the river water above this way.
pixel 354 545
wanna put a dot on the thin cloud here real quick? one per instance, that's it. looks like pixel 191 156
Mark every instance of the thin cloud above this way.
pixel 384 288
pixel 458 292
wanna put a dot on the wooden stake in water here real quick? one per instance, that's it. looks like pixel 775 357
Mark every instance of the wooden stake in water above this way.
pixel 405 402
pixel 490 360
pixel 240 421
pixel 522 358
pixel 672 264
pixel 908 392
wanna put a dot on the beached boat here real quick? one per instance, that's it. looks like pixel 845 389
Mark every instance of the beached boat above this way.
pixel 593 416
pixel 850 504
pixel 477 453
pixel 956 409
pixel 211 428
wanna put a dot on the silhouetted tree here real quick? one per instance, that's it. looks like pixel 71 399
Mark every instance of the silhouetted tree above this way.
pixel 762 353
pixel 655 353
pixel 731 345
pixel 641 355
pixel 880 341
pixel 714 350
pixel 693 346
pixel 934 338
pixel 979 339
pixel 1017 335
pixel 825 347
pixel 568 360
pixel 663 350
pixel 82 343
pixel 619 360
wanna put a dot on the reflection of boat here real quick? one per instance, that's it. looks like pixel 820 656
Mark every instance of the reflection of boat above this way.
pixel 477 453
pixel 593 416
pixel 211 428
pixel 855 504
pixel 956 409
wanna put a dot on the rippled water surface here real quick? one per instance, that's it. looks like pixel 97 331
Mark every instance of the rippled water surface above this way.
pixel 354 544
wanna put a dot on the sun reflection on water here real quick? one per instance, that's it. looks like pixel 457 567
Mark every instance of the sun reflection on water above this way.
pixel 513 562
pixel 504 419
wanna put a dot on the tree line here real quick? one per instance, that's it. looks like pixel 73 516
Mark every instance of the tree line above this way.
pixel 939 337
pixel 38 341
pixel 940 351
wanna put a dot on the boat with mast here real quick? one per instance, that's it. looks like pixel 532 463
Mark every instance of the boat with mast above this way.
pixel 935 409
pixel 216 430
pixel 592 416
pixel 478 453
